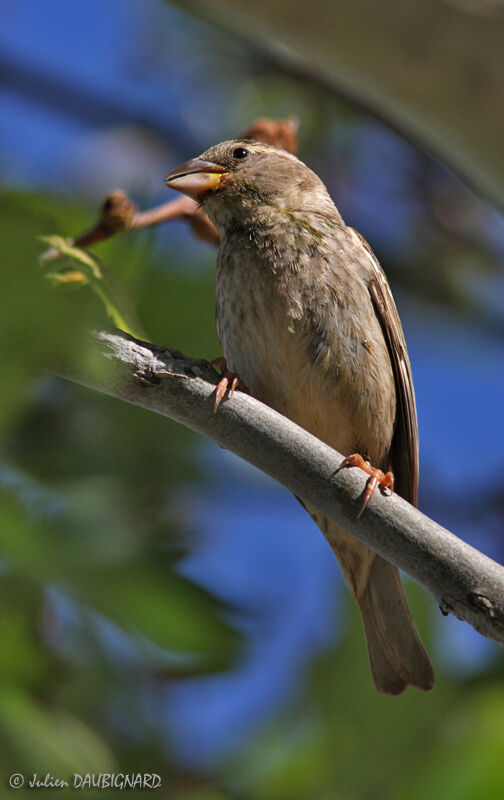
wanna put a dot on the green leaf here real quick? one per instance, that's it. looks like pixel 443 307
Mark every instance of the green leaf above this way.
pixel 63 247
pixel 92 273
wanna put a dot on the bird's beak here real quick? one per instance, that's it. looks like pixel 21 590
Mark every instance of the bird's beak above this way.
pixel 196 177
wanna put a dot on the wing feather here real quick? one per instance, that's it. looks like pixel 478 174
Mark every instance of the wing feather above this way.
pixel 404 449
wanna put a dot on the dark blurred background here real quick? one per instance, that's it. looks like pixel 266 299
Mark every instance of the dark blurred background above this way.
pixel 165 607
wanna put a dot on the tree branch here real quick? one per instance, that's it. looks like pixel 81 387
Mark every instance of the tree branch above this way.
pixel 464 582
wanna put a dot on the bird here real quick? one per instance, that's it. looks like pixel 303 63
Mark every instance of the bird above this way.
pixel 308 324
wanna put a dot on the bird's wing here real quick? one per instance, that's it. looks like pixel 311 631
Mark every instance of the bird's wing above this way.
pixel 404 449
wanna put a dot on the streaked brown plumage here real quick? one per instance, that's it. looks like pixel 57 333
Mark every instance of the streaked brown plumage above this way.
pixel 306 319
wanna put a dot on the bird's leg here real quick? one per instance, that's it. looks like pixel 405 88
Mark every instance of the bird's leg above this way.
pixel 228 382
pixel 376 478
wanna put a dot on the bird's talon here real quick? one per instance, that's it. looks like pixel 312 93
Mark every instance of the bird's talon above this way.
pixel 220 391
pixel 385 480
pixel 224 384
pixel 234 384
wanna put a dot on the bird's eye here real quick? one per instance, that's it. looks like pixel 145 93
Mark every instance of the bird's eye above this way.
pixel 240 152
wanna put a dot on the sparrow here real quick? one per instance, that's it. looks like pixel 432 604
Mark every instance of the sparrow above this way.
pixel 307 321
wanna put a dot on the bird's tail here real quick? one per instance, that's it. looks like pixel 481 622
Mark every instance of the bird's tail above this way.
pixel 395 650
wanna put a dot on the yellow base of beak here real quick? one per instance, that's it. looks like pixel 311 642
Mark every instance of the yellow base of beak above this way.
pixel 196 177
pixel 196 184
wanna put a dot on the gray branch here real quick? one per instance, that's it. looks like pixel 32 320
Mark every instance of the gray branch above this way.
pixel 464 582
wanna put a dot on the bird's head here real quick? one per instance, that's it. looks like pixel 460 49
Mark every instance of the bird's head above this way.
pixel 236 178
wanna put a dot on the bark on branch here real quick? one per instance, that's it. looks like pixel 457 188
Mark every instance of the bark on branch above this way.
pixel 464 582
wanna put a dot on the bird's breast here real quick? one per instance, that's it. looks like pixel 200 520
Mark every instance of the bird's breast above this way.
pixel 298 350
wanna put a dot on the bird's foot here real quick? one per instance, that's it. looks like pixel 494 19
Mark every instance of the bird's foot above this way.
pixel 228 382
pixel 385 480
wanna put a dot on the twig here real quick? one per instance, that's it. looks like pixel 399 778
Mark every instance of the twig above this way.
pixel 464 582
pixel 118 214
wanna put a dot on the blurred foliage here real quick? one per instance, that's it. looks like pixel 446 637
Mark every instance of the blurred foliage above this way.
pixel 344 741
pixel 90 531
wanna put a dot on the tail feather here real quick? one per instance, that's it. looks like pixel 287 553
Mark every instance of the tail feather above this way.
pixel 396 653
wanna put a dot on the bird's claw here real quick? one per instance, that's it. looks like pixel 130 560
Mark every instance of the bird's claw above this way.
pixel 228 382
pixel 385 480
